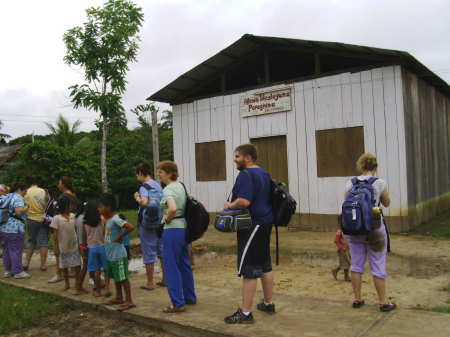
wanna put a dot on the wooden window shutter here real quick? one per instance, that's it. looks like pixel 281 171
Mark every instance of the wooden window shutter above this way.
pixel 210 161
pixel 338 150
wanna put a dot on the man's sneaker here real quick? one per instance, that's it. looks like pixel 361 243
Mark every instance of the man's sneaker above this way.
pixel 267 308
pixel 239 318
pixel 22 274
pixel 55 279
pixel 7 274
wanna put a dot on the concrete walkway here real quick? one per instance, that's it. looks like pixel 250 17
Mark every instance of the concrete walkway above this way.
pixel 296 317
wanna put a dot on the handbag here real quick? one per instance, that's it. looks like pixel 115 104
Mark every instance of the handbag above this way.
pixel 233 220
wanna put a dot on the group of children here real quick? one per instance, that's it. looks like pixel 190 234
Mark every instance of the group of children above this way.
pixel 94 242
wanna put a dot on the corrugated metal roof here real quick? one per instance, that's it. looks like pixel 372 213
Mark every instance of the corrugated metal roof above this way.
pixel 247 44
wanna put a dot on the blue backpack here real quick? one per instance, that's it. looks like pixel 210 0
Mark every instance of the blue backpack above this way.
pixel 357 214
pixel 150 216
pixel 5 212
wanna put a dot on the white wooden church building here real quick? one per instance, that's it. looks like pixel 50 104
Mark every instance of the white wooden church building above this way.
pixel 312 108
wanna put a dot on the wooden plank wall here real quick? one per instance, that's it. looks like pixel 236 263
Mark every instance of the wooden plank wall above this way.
pixel 372 99
pixel 427 114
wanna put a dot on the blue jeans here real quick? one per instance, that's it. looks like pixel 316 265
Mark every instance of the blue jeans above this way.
pixel 177 267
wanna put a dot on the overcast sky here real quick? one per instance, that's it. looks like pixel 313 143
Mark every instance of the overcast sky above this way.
pixel 178 35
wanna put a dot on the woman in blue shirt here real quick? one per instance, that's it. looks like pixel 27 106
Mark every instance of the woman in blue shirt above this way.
pixel 12 231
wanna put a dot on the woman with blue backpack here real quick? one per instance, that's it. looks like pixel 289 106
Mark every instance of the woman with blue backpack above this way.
pixel 365 229
pixel 149 221
pixel 12 229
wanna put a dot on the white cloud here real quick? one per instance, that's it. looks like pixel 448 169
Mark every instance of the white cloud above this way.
pixel 178 35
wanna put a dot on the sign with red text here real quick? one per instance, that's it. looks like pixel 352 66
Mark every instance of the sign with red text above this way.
pixel 266 102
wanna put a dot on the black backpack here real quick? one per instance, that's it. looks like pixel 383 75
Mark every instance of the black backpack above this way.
pixel 283 208
pixel 197 218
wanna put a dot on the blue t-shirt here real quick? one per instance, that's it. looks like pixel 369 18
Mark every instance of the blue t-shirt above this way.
pixel 114 250
pixel 255 186
pixel 15 223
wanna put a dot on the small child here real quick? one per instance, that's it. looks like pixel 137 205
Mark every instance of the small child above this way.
pixel 343 254
pixel 116 254
pixel 94 230
pixel 66 244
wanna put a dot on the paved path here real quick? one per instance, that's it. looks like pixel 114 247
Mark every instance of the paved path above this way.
pixel 296 317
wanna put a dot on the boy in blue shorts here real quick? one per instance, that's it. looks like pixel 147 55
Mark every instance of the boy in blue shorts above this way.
pixel 116 255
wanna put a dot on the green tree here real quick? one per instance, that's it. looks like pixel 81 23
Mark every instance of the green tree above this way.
pixel 63 133
pixel 103 47
pixel 50 162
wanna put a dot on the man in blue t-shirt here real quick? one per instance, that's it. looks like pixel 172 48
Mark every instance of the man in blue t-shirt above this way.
pixel 252 190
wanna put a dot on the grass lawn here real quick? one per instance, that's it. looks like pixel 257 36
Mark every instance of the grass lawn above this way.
pixel 20 308
pixel 438 227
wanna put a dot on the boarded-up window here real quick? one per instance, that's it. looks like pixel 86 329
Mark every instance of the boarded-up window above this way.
pixel 338 150
pixel 210 161
pixel 272 156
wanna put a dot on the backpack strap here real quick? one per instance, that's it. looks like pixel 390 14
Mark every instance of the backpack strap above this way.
pixel 147 187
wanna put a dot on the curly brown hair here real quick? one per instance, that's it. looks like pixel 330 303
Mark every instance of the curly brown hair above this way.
pixel 367 162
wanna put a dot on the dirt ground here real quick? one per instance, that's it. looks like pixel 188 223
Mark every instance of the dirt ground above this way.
pixel 306 279
pixel 86 324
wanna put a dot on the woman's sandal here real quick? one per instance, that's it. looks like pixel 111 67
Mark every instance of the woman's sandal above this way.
pixel 173 310
pixel 387 307
pixel 125 307
pixel 113 302
pixel 358 304
pixel 161 284
pixel 147 288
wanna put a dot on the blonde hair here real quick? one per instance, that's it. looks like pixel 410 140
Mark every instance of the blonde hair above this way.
pixel 367 162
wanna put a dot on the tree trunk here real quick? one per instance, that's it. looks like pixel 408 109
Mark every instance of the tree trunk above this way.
pixel 103 156
pixel 155 141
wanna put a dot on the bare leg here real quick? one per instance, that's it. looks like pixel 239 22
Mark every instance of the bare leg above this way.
pixel 28 256
pixel 95 275
pixel 79 282
pixel 335 272
pixel 248 293
pixel 267 285
pixel 119 296
pixel 83 271
pixel 380 286
pixel 65 272
pixel 58 270
pixel 127 288
pixel 161 262
pixel 107 286
pixel 356 284
pixel 44 253
pixel 150 269
pixel 346 275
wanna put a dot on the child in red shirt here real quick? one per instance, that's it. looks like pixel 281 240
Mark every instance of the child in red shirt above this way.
pixel 343 254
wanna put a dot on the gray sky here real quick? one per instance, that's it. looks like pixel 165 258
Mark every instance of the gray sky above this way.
pixel 178 35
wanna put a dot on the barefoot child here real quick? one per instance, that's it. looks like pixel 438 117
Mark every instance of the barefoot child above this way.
pixel 343 254
pixel 66 244
pixel 94 231
pixel 116 254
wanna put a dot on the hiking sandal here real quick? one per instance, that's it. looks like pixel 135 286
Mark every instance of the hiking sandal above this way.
pixel 388 307
pixel 358 304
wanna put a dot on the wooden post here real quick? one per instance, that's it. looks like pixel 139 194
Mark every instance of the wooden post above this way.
pixel 266 68
pixel 155 141
pixel 317 64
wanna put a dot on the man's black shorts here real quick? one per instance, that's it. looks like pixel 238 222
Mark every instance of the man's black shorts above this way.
pixel 254 252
